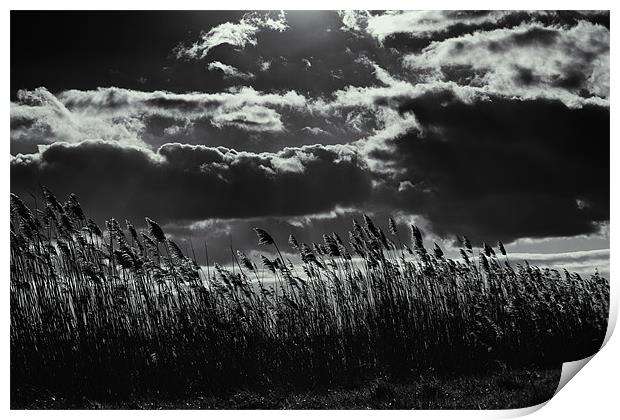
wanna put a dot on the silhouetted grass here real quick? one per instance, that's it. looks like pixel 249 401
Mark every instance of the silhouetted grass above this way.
pixel 122 314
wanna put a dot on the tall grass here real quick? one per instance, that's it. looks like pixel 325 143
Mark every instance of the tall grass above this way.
pixel 121 313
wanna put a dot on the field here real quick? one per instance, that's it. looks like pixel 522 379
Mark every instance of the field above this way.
pixel 121 317
pixel 499 389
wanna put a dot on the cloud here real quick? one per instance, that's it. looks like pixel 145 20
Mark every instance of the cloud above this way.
pixel 182 182
pixel 500 168
pixel 229 71
pixel 582 262
pixel 528 61
pixel 251 118
pixel 154 118
pixel 486 166
pixel 528 54
pixel 493 124
pixel 264 65
pixel 424 23
pixel 314 130
pixel 241 117
pixel 376 114
pixel 443 24
pixel 575 256
pixel 238 34
pixel 309 229
pixel 354 20
pixel 39 117
pixel 121 101
pixel 364 110
pixel 415 148
pixel 386 94
pixel 306 229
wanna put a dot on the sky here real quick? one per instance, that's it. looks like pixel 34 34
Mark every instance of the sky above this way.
pixel 493 124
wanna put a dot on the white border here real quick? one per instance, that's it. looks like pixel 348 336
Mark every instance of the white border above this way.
pixel 593 394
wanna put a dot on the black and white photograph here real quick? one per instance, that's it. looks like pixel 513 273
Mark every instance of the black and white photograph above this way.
pixel 306 210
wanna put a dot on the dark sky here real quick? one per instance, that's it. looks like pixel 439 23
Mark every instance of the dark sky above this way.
pixel 489 124
pixel 85 50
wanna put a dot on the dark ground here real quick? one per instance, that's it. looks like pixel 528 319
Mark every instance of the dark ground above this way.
pixel 500 389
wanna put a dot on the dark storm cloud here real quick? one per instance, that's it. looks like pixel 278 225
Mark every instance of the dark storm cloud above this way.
pixel 180 182
pixel 500 168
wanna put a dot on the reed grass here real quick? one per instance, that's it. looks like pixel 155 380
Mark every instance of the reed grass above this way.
pixel 119 313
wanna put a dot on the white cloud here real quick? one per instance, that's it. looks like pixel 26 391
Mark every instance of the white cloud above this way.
pixel 529 61
pixel 315 131
pixel 39 117
pixel 264 65
pixel 250 118
pixel 121 101
pixel 582 262
pixel 354 20
pixel 424 23
pixel 431 23
pixel 179 128
pixel 369 96
pixel 237 34
pixel 229 71
pixel 275 21
pixel 405 185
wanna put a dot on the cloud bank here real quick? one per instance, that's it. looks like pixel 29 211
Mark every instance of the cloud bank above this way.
pixel 182 182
